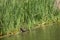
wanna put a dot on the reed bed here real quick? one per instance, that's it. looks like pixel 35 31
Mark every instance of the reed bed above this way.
pixel 25 13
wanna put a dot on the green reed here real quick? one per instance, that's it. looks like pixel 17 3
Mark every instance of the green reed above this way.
pixel 14 13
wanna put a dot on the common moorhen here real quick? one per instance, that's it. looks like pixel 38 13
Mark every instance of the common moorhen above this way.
pixel 23 30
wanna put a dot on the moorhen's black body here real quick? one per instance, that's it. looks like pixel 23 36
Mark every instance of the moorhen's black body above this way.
pixel 23 30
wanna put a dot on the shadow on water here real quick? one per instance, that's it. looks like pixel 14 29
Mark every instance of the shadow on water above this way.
pixel 52 32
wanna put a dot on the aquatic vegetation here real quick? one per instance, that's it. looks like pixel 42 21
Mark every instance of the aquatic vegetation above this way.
pixel 15 14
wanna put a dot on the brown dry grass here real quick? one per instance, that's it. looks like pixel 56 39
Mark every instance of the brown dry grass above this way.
pixel 57 4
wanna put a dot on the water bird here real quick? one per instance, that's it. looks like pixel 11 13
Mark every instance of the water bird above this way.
pixel 23 30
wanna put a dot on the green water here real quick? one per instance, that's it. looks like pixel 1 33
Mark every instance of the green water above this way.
pixel 49 33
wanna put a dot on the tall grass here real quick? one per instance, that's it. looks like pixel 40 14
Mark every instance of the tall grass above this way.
pixel 14 13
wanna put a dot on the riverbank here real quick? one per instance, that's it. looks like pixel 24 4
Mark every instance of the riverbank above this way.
pixel 36 26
